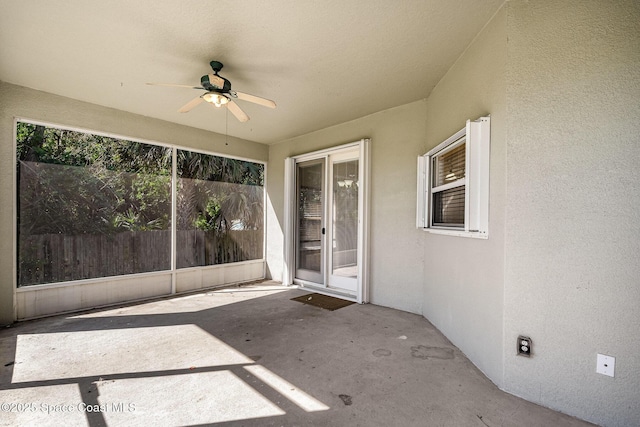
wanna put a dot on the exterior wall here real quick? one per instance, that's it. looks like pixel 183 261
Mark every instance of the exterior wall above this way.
pixel 573 217
pixel 16 101
pixel 464 277
pixel 561 82
pixel 397 137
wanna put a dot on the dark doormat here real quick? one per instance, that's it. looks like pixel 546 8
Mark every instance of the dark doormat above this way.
pixel 323 301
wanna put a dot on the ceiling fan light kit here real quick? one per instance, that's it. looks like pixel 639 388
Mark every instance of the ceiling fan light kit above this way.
pixel 215 98
pixel 219 93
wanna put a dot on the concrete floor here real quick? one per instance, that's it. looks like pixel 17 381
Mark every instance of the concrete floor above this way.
pixel 247 356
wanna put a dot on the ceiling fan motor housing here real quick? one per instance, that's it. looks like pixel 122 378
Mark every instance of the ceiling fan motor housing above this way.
pixel 206 83
pixel 216 66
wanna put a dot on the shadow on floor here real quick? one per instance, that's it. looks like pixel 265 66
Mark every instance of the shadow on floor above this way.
pixel 247 356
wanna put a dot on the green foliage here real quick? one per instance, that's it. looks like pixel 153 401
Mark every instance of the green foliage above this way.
pixel 42 144
pixel 217 193
pixel 208 219
pixel 132 221
pixel 75 183
pixel 206 167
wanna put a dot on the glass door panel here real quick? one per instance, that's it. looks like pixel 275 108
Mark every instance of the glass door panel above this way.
pixel 343 216
pixel 345 219
pixel 310 221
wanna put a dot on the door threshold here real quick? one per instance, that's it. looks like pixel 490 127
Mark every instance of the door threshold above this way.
pixel 326 291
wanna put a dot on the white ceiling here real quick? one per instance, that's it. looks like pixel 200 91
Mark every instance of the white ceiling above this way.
pixel 324 62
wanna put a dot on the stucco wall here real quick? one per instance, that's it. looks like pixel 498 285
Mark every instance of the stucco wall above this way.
pixel 464 277
pixel 561 81
pixel 572 280
pixel 397 137
pixel 16 101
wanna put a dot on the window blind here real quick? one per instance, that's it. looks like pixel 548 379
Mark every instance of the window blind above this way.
pixel 449 166
pixel 448 207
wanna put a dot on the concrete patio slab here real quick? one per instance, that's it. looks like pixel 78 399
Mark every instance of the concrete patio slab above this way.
pixel 247 356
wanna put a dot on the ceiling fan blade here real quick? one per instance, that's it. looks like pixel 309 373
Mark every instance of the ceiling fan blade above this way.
pixel 191 104
pixel 237 111
pixel 172 85
pixel 256 100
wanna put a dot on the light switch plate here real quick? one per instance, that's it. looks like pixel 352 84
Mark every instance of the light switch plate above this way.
pixel 605 365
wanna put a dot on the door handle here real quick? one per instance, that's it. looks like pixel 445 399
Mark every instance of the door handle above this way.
pixel 323 230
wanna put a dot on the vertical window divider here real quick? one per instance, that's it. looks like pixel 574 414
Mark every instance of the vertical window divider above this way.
pixel 174 216
pixel 467 176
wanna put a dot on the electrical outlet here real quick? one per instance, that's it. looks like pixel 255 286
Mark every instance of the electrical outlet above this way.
pixel 524 346
pixel 605 365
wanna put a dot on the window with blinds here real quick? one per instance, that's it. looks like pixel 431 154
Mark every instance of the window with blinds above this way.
pixel 448 207
pixel 453 183
pixel 449 166
pixel 448 191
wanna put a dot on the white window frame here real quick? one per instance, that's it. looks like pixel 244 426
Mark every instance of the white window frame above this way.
pixel 477 137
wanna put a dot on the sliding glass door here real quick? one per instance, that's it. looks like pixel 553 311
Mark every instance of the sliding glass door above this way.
pixel 327 212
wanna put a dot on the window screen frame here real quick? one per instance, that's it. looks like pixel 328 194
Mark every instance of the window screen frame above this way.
pixel 434 188
pixel 476 137
pixel 174 270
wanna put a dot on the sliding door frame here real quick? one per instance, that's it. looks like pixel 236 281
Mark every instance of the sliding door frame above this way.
pixel 361 295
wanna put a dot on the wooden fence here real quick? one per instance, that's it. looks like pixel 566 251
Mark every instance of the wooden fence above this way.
pixel 51 258
pixel 196 247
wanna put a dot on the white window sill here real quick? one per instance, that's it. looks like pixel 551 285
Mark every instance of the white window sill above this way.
pixel 458 233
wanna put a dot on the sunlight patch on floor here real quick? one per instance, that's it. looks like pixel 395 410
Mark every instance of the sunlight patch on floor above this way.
pixel 288 390
pixel 105 352
pixel 191 399
pixel 55 405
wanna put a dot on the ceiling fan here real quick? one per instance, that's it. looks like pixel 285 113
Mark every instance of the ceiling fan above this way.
pixel 219 93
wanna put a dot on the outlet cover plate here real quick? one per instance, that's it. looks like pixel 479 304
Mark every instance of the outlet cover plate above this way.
pixel 524 346
pixel 606 365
